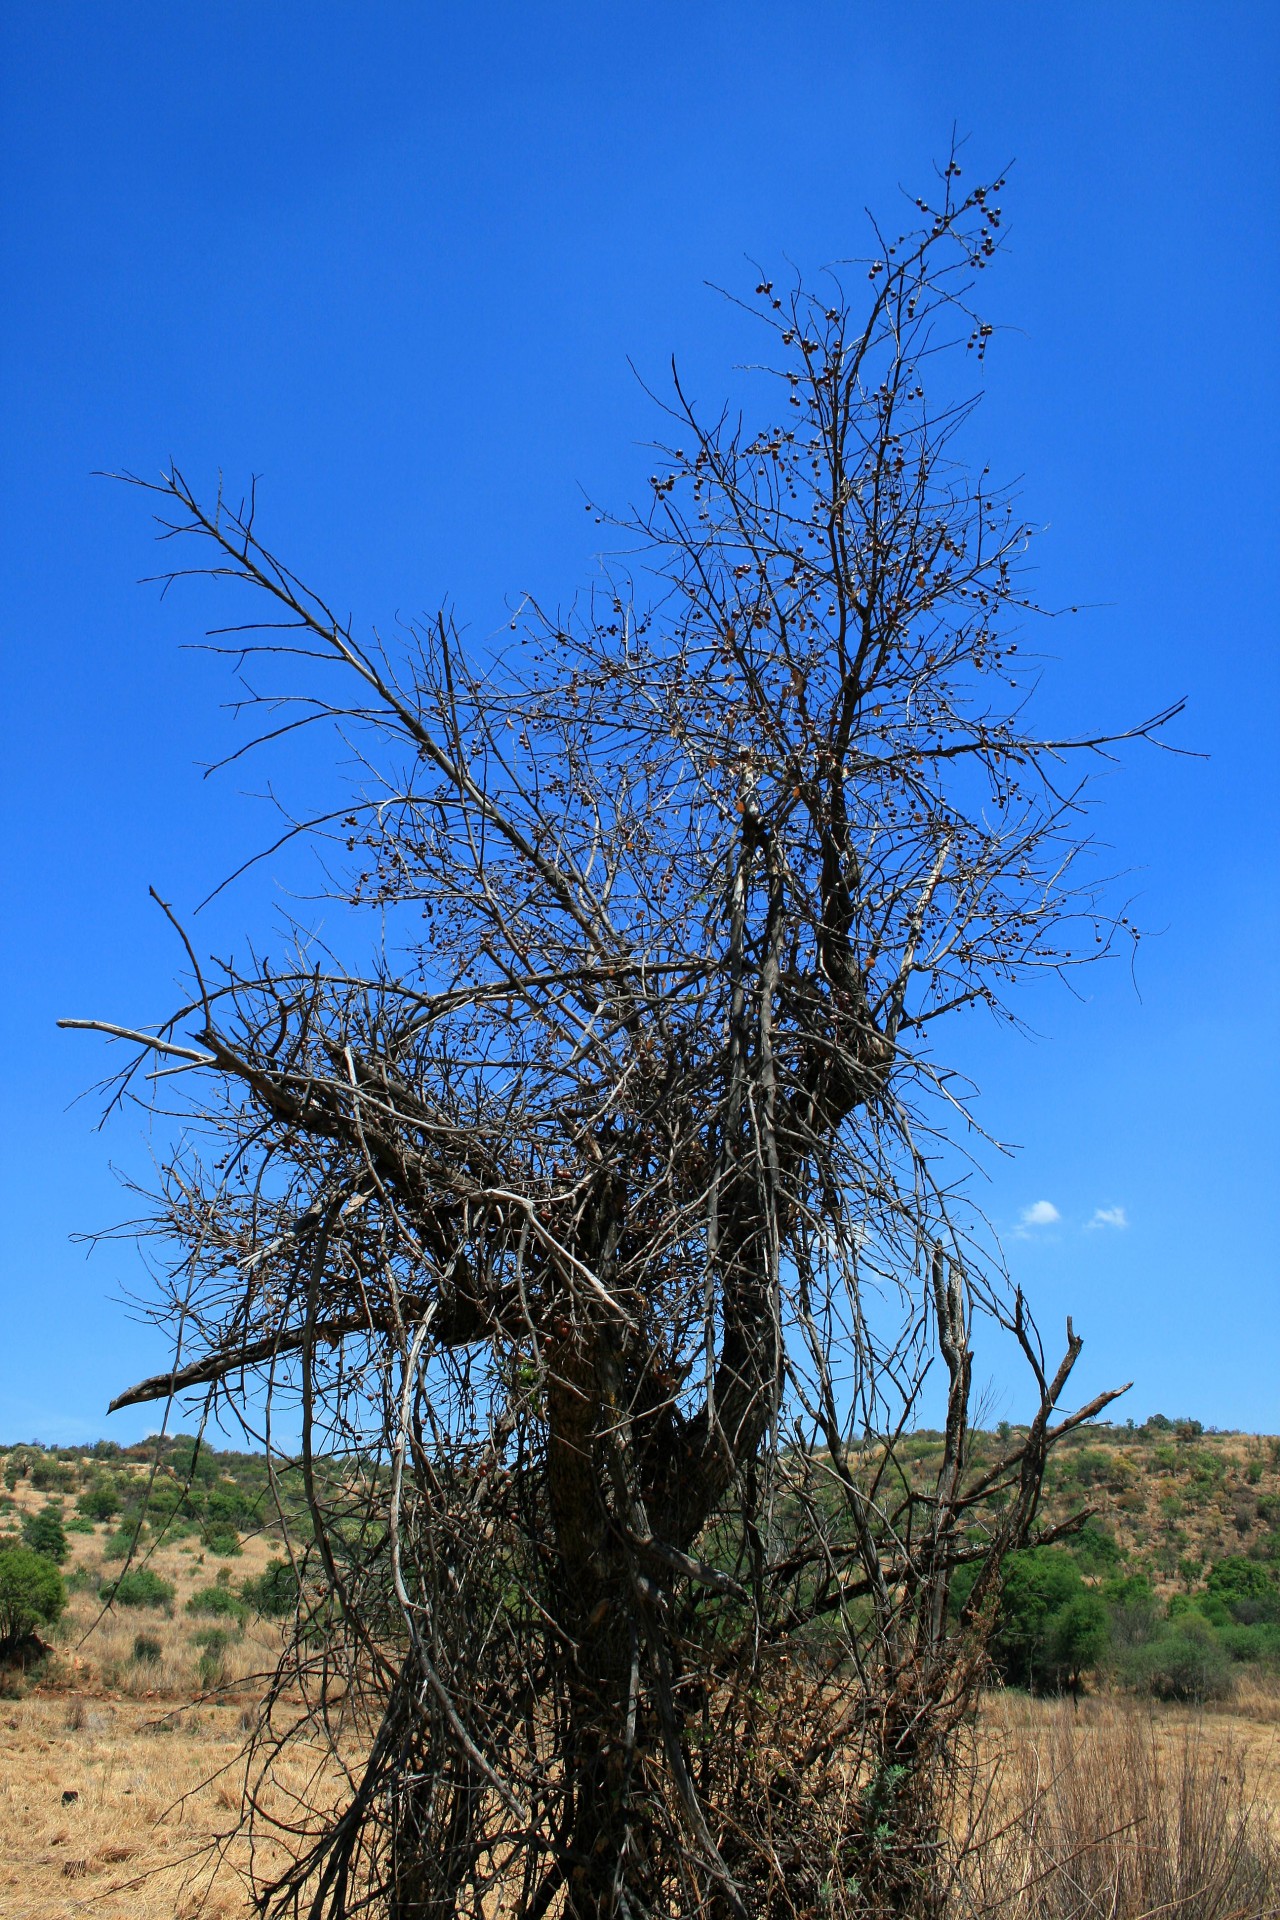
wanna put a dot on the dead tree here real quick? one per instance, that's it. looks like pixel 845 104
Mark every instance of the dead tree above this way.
pixel 598 1232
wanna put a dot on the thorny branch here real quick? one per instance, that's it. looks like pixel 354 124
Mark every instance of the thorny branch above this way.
pixel 605 1228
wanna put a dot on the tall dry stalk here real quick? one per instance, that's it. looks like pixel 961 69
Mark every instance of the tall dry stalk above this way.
pixel 1116 1814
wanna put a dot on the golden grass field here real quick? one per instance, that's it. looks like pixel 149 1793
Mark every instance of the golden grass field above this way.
pixel 150 1750
pixel 152 1753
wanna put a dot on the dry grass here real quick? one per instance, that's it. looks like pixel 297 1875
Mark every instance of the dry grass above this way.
pixel 1110 1809
pixel 1107 1809
pixel 150 1749
pixel 153 1797
pixel 150 1833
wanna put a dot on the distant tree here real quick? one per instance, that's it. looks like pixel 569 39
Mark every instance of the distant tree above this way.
pixel 1184 1660
pixel 219 1602
pixel 603 1220
pixel 1247 1588
pixel 17 1465
pixel 45 1534
pixel 1094 1550
pixel 100 1501
pixel 1048 1626
pixel 32 1594
pixel 51 1475
pixel 1078 1639
pixel 221 1539
pixel 1237 1578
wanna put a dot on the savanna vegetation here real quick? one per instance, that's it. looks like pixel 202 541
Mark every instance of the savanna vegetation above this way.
pixel 1094 1766
pixel 1168 1587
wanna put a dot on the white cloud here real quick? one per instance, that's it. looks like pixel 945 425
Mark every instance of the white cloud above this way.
pixel 1109 1217
pixel 1041 1213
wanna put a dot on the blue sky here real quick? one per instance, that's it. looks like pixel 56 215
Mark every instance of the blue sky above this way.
pixel 395 260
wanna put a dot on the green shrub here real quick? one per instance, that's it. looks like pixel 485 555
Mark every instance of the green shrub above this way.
pixel 1133 1615
pixel 226 1505
pixel 212 1665
pixel 1260 1642
pixel 1185 1662
pixel 118 1544
pixel 221 1539
pixel 217 1602
pixel 191 1461
pixel 1049 1626
pixel 100 1501
pixel 140 1587
pixel 1089 1467
pixel 44 1533
pixel 78 1523
pixel 1094 1550
pixel 146 1651
pixel 1205 1606
pixel 274 1592
pixel 1246 1588
pixel 32 1593
pixel 50 1475
pixel 1078 1636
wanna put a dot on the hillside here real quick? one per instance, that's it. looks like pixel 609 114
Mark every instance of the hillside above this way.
pixel 140 1710
pixel 1170 1504
pixel 1173 1498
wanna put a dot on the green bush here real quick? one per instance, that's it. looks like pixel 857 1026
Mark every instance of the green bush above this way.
pixel 1245 1588
pixel 1094 1550
pixel 274 1592
pixel 146 1651
pixel 1257 1643
pixel 78 1523
pixel 1133 1615
pixel 1089 1467
pixel 118 1544
pixel 1206 1606
pixel 1049 1627
pixel 50 1475
pixel 32 1593
pixel 218 1602
pixel 44 1533
pixel 221 1539
pixel 226 1505
pixel 15 1466
pixel 212 1665
pixel 1079 1635
pixel 140 1587
pixel 1185 1662
pixel 100 1501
